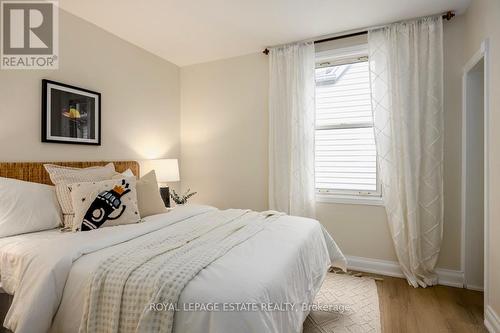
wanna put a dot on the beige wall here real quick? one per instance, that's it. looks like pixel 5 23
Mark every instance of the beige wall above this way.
pixel 450 256
pixel 140 99
pixel 224 131
pixel 482 20
pixel 224 149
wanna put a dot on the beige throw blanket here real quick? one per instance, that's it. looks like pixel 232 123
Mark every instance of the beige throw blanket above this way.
pixel 124 286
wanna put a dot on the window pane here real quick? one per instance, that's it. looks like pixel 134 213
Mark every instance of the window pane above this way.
pixel 343 95
pixel 346 159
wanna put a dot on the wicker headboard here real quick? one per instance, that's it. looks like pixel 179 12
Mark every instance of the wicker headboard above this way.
pixel 35 172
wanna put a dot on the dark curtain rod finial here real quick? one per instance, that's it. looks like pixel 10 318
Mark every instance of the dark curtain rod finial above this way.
pixel 448 16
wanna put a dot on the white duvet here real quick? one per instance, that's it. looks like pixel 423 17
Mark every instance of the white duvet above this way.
pixel 47 273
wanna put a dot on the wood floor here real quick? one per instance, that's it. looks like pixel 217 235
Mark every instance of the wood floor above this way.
pixel 428 310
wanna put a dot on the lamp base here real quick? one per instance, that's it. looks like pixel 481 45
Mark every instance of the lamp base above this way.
pixel 165 195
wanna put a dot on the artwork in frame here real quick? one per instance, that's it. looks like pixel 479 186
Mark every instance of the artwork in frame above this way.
pixel 70 114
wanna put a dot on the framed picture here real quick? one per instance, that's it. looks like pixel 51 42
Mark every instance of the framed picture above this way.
pixel 70 114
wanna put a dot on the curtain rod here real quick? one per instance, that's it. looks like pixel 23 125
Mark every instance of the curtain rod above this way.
pixel 447 16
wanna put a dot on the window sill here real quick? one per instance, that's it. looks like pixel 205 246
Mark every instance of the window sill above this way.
pixel 349 199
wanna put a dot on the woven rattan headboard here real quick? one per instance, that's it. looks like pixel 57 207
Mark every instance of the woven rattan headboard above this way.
pixel 35 172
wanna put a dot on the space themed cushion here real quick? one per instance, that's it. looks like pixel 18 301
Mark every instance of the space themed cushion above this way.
pixel 104 203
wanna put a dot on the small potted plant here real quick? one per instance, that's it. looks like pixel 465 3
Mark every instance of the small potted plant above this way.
pixel 181 199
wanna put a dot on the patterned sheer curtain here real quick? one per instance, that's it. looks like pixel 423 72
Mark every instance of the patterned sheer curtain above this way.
pixel 291 129
pixel 406 64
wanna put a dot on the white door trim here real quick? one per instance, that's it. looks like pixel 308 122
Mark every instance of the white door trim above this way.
pixel 482 53
pixel 491 320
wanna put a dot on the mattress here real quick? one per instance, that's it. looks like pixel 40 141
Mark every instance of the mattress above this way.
pixel 261 285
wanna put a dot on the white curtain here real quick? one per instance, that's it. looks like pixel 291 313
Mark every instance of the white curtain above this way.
pixel 291 129
pixel 406 64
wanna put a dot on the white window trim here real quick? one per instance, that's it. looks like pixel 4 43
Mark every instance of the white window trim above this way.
pixel 339 55
pixel 349 199
pixel 334 58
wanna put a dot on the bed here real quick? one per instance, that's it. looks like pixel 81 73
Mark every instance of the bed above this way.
pixel 262 283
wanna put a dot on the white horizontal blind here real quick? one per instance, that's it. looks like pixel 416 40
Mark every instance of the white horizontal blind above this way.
pixel 346 159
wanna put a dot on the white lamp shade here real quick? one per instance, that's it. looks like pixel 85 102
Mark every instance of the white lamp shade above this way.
pixel 167 170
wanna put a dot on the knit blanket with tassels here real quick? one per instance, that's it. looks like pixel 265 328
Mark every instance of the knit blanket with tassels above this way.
pixel 123 288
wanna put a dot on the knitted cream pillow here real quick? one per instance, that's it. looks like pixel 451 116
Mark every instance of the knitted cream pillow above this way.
pixel 64 176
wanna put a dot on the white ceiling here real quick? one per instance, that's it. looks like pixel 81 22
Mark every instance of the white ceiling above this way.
pixel 192 31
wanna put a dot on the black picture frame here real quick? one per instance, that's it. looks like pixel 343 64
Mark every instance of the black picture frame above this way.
pixel 70 114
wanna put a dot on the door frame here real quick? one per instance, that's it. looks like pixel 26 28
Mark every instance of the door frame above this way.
pixel 481 54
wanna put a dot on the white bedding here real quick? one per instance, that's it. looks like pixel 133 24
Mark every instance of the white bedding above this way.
pixel 284 263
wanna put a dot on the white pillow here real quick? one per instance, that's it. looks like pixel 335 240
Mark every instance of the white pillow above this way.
pixel 104 204
pixel 126 173
pixel 27 207
pixel 63 176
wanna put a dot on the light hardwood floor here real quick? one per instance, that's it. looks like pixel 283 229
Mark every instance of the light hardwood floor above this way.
pixel 428 310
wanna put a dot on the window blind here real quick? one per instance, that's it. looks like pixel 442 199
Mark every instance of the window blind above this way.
pixel 345 153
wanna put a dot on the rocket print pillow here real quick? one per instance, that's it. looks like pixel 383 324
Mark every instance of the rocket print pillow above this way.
pixel 104 203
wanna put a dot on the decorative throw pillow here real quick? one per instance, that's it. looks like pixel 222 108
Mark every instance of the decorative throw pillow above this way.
pixel 63 176
pixel 104 204
pixel 27 207
pixel 148 195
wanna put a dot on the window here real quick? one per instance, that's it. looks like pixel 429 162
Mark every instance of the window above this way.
pixel 345 153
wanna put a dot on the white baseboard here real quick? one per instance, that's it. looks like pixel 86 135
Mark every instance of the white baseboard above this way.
pixel 491 320
pixel 475 288
pixel 446 277
pixel 449 277
pixel 376 266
